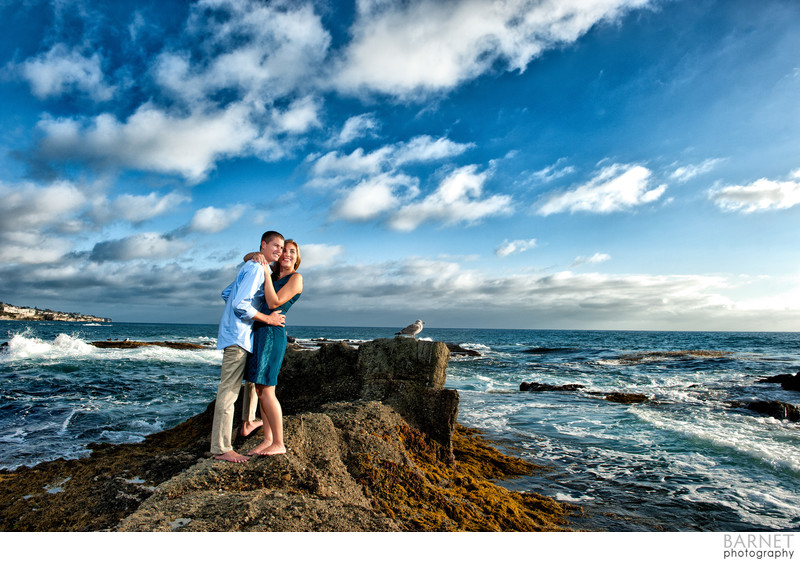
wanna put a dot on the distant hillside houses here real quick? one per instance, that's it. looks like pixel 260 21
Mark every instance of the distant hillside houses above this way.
pixel 7 311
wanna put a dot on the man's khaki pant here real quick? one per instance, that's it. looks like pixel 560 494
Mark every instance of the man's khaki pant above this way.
pixel 234 359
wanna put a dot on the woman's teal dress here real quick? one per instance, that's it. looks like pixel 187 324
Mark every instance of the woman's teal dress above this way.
pixel 269 344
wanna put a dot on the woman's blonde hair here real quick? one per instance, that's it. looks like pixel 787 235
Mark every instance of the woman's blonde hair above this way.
pixel 277 272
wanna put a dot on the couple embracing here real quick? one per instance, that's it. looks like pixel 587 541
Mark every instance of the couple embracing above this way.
pixel 253 339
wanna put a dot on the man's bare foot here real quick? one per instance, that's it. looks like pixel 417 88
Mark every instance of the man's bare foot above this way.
pixel 259 450
pixel 231 456
pixel 271 450
pixel 249 426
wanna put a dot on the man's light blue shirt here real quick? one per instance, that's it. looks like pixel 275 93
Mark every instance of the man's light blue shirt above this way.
pixel 243 298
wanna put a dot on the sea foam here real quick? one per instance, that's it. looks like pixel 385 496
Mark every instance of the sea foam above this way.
pixel 24 346
pixel 742 434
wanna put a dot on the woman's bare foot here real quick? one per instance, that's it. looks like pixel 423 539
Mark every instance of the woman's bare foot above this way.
pixel 271 450
pixel 231 456
pixel 249 426
pixel 259 450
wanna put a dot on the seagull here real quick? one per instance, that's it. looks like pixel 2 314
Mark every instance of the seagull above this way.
pixel 412 329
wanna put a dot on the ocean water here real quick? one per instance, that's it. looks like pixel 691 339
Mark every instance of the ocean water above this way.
pixel 685 460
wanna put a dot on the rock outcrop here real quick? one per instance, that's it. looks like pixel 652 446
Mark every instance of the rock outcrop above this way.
pixel 373 446
pixel 620 397
pixel 458 350
pixel 789 382
pixel 615 397
pixel 537 387
pixel 405 374
pixel 777 409
pixel 310 488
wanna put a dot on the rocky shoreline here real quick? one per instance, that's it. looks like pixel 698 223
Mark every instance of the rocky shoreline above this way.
pixel 374 446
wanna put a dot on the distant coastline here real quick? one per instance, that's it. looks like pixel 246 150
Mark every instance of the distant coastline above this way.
pixel 9 312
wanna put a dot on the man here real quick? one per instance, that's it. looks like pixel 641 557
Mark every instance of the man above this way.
pixel 243 299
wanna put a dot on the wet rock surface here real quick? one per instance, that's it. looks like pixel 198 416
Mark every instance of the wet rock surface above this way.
pixel 619 397
pixel 777 409
pixel 789 382
pixel 615 397
pixel 458 350
pixel 537 387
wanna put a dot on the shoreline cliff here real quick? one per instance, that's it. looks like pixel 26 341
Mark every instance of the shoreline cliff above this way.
pixel 374 446
pixel 9 312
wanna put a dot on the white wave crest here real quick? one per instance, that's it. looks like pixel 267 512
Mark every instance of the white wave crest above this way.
pixel 24 346
pixel 167 355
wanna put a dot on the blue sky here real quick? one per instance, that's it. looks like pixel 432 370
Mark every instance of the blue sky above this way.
pixel 589 164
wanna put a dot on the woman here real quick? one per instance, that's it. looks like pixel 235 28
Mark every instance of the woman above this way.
pixel 281 289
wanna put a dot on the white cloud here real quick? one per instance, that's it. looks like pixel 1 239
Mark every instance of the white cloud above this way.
pixel 375 196
pixel 761 195
pixel 31 247
pixel 148 245
pixel 300 117
pixel 685 173
pixel 211 220
pixel 319 255
pixel 425 148
pixel 61 70
pixel 137 25
pixel 382 186
pixel 244 74
pixel 262 51
pixel 357 127
pixel 136 208
pixel 456 200
pixel 333 166
pixel 516 246
pixel 593 260
pixel 553 172
pixel 614 188
pixel 37 222
pixel 403 48
pixel 152 140
pixel 28 206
